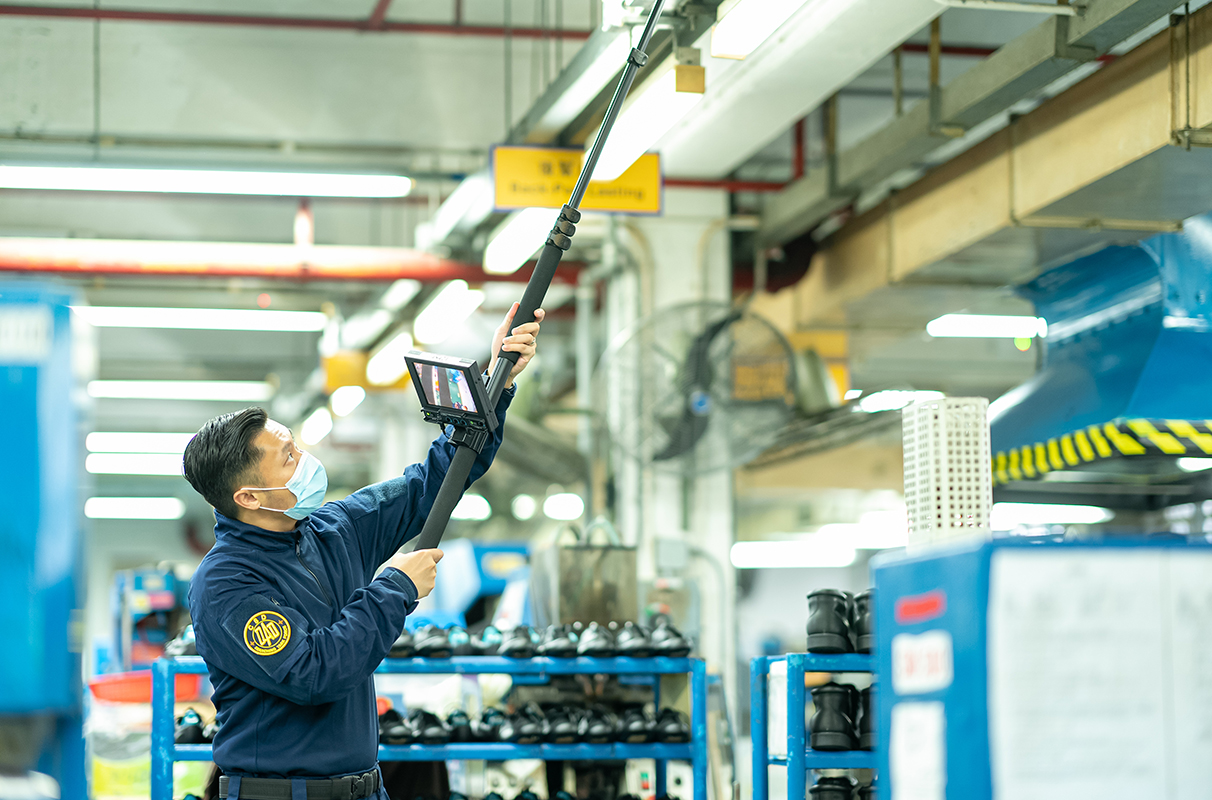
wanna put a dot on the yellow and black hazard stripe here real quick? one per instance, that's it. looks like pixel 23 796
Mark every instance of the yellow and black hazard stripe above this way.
pixel 1116 439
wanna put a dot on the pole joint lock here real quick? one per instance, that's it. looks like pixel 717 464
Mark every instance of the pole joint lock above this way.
pixel 564 228
pixel 637 57
pixel 475 438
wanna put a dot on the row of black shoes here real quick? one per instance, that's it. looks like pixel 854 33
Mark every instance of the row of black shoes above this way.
pixel 842 718
pixel 556 641
pixel 191 730
pixel 527 794
pixel 839 622
pixel 532 725
pixel 841 788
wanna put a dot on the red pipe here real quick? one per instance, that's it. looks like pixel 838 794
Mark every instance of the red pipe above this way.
pixel 379 15
pixel 731 186
pixel 797 151
pixel 322 23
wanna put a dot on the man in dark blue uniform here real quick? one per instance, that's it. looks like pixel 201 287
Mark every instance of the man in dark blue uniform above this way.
pixel 287 611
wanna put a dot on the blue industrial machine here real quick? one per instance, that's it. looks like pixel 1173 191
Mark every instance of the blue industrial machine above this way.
pixel 471 571
pixel 40 673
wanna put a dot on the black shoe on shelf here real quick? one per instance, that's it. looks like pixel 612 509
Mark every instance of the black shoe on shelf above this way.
pixel 829 622
pixel 636 727
pixel 457 796
pixel 403 646
pixel 598 725
pixel 486 642
pixel 182 645
pixel 392 729
pixel 558 641
pixel 563 726
pixel 208 732
pixel 668 641
pixel 459 725
pixel 427 728
pixel 866 722
pixel 432 642
pixel 488 727
pixel 632 640
pixel 189 729
pixel 460 641
pixel 864 630
pixel 493 796
pixel 672 727
pixel 868 792
pixel 526 795
pixel 563 795
pixel 831 727
pixel 518 643
pixel 835 788
pixel 596 642
pixel 524 726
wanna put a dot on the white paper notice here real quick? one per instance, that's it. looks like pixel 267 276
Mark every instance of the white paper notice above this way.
pixel 776 709
pixel 922 662
pixel 1077 674
pixel 917 751
pixel 1189 626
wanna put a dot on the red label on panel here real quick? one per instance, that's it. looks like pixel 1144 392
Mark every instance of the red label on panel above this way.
pixel 921 607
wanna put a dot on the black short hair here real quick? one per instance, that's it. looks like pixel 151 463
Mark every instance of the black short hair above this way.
pixel 222 454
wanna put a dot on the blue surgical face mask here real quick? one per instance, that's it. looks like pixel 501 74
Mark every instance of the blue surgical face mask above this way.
pixel 309 484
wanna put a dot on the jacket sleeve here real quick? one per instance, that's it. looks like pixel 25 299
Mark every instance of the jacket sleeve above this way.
pixel 383 516
pixel 249 633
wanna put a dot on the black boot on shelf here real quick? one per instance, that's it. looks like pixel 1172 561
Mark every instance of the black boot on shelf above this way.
pixel 563 726
pixel 208 732
pixel 832 788
pixel 558 641
pixel 598 726
pixel 829 622
pixel 868 792
pixel 457 796
pixel 525 726
pixel 563 795
pixel 672 727
pixel 831 727
pixel 493 796
pixel 432 642
pixel 596 642
pixel 864 630
pixel 636 727
pixel 632 640
pixel 526 794
pixel 668 641
pixel 459 725
pixel 182 645
pixel 403 646
pixel 189 729
pixel 392 729
pixel 866 723
pixel 486 642
pixel 426 727
pixel 518 643
pixel 460 641
pixel 488 727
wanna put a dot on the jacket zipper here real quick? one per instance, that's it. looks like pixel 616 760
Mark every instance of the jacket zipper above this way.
pixel 299 555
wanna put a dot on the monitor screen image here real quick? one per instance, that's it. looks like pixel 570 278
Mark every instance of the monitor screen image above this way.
pixel 446 387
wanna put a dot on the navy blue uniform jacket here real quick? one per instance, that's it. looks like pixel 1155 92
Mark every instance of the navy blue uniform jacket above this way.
pixel 292 625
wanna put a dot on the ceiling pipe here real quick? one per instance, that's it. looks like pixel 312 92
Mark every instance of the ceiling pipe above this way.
pixel 273 21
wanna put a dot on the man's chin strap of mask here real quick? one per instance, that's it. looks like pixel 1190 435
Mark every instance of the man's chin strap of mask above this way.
pixel 309 484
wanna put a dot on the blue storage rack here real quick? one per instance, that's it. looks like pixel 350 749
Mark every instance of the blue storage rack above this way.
pixel 531 670
pixel 800 758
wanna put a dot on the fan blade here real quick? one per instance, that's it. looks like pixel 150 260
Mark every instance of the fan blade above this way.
pixel 696 415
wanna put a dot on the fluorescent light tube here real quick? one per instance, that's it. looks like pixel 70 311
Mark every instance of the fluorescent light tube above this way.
pixel 134 463
pixel 1008 516
pixel 233 391
pixel 987 326
pixel 118 442
pixel 448 309
pixel 316 426
pixel 647 115
pixel 203 181
pixel 564 506
pixel 134 508
pixel 517 239
pixel 743 25
pixel 524 507
pixel 214 319
pixel 895 399
pixel 791 554
pixel 1194 464
pixel 345 399
pixel 387 365
pixel 853 394
pixel 399 293
pixel 472 507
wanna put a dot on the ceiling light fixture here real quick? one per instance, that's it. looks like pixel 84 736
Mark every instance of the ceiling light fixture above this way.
pixel 316 427
pixel 1194 464
pixel 524 507
pixel 744 24
pixel 134 464
pixel 648 114
pixel 387 365
pixel 213 319
pixel 564 506
pixel 446 311
pixel 345 399
pixel 204 181
pixel 118 442
pixel 399 293
pixel 517 239
pixel 987 326
pixel 800 554
pixel 1008 516
pixel 472 507
pixel 134 508
pixel 233 391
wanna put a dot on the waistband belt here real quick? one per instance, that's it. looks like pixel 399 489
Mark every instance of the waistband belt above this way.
pixel 347 788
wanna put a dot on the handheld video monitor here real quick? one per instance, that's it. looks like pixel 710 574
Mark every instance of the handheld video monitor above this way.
pixel 451 390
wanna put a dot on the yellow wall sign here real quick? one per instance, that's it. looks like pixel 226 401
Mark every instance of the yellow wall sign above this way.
pixel 543 177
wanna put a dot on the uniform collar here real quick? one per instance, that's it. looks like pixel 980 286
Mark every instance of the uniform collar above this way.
pixel 228 529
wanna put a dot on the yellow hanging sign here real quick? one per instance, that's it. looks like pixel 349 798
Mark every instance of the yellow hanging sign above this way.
pixel 543 177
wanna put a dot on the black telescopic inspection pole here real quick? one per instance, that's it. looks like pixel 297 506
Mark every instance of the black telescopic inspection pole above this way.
pixel 559 240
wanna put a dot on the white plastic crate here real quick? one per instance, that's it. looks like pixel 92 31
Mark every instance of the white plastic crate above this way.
pixel 948 480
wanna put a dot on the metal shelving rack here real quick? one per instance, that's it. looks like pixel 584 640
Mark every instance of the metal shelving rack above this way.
pixel 800 757
pixel 533 670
